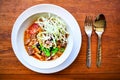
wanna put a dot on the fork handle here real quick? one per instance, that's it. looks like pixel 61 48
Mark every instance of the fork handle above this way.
pixel 99 52
pixel 88 54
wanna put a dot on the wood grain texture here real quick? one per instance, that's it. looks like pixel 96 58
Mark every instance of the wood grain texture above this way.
pixel 12 69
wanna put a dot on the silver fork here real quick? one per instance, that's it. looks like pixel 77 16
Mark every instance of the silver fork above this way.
pixel 88 29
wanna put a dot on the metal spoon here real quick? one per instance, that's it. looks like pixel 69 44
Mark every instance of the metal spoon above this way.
pixel 99 26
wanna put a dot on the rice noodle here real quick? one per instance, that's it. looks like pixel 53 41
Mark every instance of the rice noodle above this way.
pixel 54 29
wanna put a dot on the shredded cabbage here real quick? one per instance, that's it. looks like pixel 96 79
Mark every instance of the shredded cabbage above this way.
pixel 53 29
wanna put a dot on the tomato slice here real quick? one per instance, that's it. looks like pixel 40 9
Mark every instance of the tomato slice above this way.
pixel 33 28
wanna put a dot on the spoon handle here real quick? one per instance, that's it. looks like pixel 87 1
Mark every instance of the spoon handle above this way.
pixel 88 54
pixel 99 52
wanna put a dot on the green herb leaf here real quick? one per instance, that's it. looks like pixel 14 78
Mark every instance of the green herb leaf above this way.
pixel 54 50
pixel 41 48
pixel 47 52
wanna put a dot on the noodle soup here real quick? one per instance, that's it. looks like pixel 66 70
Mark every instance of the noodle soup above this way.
pixel 46 38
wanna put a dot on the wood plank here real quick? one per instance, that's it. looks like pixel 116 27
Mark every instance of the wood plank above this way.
pixel 59 77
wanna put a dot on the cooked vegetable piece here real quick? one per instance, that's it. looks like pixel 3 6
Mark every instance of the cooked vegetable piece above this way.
pixel 33 46
pixel 33 28
pixel 54 51
pixel 27 41
pixel 37 50
pixel 47 52
pixel 62 49
pixel 42 48
pixel 39 56
pixel 30 50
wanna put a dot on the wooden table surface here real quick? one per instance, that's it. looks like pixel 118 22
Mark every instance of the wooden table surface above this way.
pixel 12 69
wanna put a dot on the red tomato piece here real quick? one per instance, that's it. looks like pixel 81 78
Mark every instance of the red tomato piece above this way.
pixel 33 28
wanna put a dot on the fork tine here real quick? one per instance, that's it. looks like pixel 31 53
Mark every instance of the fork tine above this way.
pixel 86 21
pixel 91 20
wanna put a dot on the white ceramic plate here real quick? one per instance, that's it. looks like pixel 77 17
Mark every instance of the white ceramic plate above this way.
pixel 69 19
pixel 22 25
